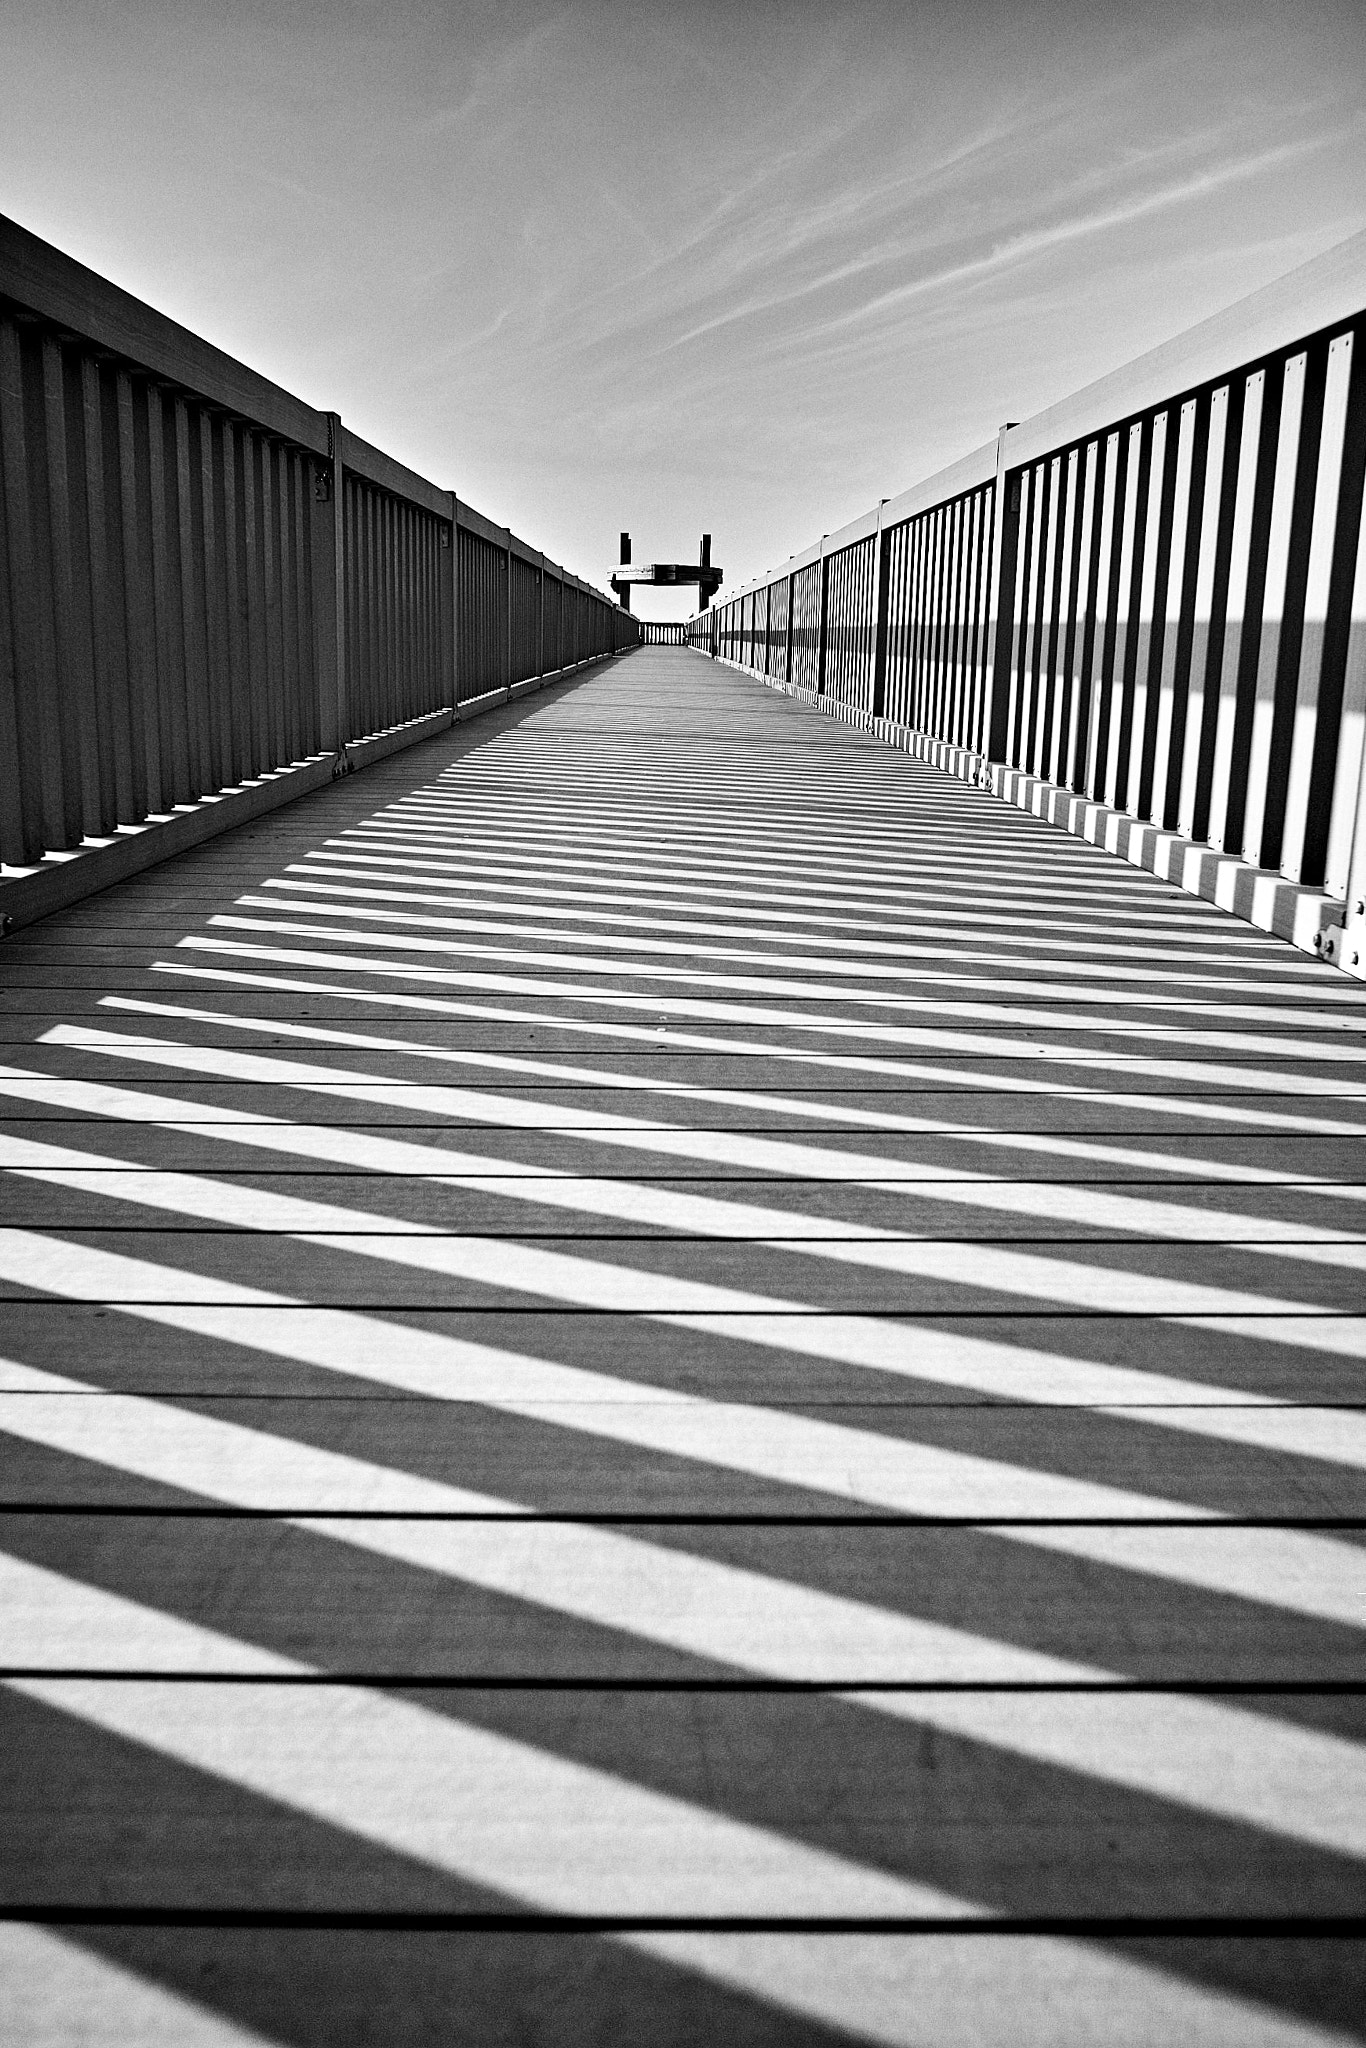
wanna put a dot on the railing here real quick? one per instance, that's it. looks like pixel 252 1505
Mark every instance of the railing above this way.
pixel 1142 613
pixel 655 633
pixel 204 581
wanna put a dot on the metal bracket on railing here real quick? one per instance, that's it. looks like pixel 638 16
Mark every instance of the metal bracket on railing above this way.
pixel 6 924
pixel 1344 946
pixel 341 764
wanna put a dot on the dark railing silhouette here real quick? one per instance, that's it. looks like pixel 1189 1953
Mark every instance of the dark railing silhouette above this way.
pixel 206 585
pixel 1142 613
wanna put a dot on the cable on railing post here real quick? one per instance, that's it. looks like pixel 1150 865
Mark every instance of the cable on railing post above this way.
pixel 327 530
pixel 1001 623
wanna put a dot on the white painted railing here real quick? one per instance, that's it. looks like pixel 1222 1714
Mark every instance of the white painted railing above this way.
pixel 1141 613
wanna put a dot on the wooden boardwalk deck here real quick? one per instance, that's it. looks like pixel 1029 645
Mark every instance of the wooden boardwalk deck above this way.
pixel 668 1379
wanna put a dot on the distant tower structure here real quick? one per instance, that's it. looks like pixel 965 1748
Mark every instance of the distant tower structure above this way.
pixel 707 578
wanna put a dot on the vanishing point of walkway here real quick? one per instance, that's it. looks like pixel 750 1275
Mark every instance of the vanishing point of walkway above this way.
pixel 666 1378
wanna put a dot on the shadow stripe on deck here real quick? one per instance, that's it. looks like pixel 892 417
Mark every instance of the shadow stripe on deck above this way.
pixel 490 1446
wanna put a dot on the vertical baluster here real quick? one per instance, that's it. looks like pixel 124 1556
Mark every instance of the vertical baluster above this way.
pixel 977 736
pixel 310 680
pixel 67 591
pixel 1168 599
pixel 1131 638
pixel 953 647
pixel 928 618
pixel 1294 586
pixel 163 469
pixel 1004 586
pixel 1345 860
pixel 213 433
pixel 22 833
pixel 1045 632
pixel 1133 474
pixel 1242 607
pixel 965 679
pixel 1070 593
pixel 1343 674
pixel 1025 597
pixel 1099 648
pixel 110 741
pixel 1271 610
pixel 1317 700
pixel 193 599
pixel 1212 550
pixel 295 666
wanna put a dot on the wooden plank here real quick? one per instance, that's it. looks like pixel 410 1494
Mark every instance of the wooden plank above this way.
pixel 718 1603
pixel 638 1805
pixel 609 1449
pixel 758 1990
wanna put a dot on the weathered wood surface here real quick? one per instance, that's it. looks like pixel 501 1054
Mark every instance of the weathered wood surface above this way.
pixel 667 1378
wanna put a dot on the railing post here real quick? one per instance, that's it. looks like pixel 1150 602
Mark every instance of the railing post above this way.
pixel 820 631
pixel 507 626
pixel 1001 628
pixel 328 534
pixel 450 601
pixel 877 684
pixel 1346 946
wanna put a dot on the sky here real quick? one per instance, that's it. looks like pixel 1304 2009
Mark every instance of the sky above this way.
pixel 667 267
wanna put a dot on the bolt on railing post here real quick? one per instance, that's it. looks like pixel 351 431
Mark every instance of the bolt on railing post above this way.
pixel 328 537
pixel 877 681
pixel 1001 618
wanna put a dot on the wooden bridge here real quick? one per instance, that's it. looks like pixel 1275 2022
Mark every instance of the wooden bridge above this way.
pixel 666 1376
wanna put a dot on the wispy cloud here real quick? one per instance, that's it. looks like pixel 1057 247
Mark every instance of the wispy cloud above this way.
pixel 1034 243
pixel 688 265
pixel 1005 253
